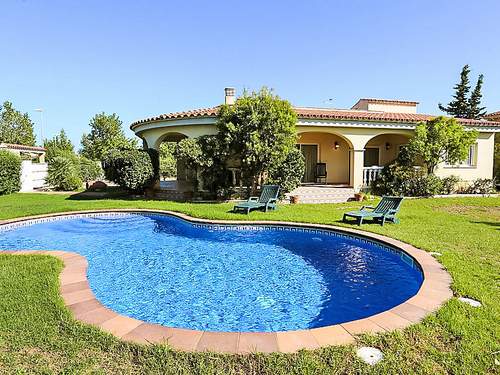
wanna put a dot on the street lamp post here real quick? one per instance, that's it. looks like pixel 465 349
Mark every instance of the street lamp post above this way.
pixel 41 124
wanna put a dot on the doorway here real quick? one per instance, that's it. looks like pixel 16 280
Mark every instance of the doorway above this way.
pixel 310 153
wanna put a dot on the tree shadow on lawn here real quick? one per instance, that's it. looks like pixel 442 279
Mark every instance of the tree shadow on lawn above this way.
pixel 494 224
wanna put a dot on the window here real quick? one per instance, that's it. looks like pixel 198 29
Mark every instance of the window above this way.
pixel 471 160
pixel 371 157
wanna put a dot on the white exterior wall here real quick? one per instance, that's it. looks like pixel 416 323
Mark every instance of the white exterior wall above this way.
pixel 355 135
pixel 33 175
pixel 484 161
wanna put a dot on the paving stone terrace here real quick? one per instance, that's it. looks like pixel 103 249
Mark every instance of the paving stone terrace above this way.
pixel 79 298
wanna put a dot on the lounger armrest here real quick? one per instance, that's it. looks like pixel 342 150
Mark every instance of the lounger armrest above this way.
pixel 272 200
pixel 392 212
pixel 365 207
pixel 253 199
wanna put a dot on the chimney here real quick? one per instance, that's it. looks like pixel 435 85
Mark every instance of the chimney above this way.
pixel 229 95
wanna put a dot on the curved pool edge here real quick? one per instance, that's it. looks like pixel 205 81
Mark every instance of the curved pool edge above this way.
pixel 79 298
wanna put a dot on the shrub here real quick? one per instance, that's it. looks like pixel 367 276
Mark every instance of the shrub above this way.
pixel 399 180
pixel 482 186
pixel 288 175
pixel 90 170
pixel 131 169
pixel 10 172
pixel 64 173
pixel 424 186
pixel 450 184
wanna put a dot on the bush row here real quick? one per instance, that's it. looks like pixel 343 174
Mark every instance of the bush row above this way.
pixel 10 172
pixel 399 180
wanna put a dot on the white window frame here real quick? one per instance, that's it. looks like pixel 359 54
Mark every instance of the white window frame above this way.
pixel 469 162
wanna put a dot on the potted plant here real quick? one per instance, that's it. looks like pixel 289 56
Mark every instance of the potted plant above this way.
pixel 294 199
pixel 359 196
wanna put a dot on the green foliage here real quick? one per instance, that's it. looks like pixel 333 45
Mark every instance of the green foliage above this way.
pixel 59 145
pixel 10 172
pixel 288 175
pixel 90 170
pixel 131 169
pixel 497 156
pixel 168 162
pixel 450 184
pixel 461 106
pixel 258 131
pixel 400 180
pixel 64 173
pixel 439 140
pixel 482 186
pixel 15 127
pixel 475 109
pixel 195 154
pixel 106 134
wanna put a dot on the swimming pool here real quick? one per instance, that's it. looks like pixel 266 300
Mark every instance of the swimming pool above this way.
pixel 162 269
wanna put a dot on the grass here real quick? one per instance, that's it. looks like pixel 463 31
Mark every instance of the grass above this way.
pixel 39 335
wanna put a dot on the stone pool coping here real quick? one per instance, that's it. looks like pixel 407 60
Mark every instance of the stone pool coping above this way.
pixel 79 298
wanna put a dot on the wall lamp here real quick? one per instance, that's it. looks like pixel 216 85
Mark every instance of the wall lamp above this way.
pixel 387 146
pixel 336 145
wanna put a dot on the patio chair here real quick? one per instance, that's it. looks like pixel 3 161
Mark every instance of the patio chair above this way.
pixel 320 172
pixel 267 200
pixel 386 210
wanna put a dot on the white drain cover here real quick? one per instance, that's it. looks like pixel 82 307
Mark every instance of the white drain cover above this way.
pixel 470 301
pixel 370 355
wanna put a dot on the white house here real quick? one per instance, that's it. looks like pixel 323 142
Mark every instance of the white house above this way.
pixel 351 144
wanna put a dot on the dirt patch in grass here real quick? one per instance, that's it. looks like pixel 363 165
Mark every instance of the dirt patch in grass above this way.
pixel 491 211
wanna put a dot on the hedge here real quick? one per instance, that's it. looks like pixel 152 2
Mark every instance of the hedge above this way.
pixel 10 172
pixel 133 170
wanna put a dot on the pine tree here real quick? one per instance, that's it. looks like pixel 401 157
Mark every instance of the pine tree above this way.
pixel 475 109
pixel 459 106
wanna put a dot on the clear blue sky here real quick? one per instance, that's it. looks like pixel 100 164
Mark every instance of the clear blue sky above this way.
pixel 141 58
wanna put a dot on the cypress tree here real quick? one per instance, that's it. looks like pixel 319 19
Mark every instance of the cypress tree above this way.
pixel 475 109
pixel 459 106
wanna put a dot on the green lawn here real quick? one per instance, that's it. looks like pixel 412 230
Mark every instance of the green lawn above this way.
pixel 38 334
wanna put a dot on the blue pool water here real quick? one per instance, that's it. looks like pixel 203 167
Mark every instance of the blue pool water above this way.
pixel 165 270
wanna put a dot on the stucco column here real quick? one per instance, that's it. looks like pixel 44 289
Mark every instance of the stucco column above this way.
pixel 356 158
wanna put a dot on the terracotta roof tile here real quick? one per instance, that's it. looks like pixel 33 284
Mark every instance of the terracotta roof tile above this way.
pixel 387 101
pixel 21 147
pixel 324 113
pixel 493 115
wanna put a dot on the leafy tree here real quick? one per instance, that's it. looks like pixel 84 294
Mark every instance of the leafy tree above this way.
pixel 258 130
pixel 192 152
pixel 459 106
pixel 475 109
pixel 59 145
pixel 131 169
pixel 15 127
pixel 106 134
pixel 90 170
pixel 288 175
pixel 439 140
pixel 168 162
pixel 497 156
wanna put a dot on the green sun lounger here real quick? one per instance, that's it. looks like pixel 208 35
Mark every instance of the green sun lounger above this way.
pixel 267 200
pixel 386 210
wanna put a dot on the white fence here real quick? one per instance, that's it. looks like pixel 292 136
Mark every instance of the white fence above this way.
pixel 370 174
pixel 33 175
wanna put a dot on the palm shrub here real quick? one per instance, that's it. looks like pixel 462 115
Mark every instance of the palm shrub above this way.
pixel 131 169
pixel 10 172
pixel 288 174
pixel 64 173
pixel 90 170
